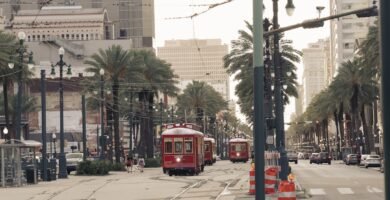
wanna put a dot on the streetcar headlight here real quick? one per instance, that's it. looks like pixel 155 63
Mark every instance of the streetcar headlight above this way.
pixel 178 159
pixel 238 154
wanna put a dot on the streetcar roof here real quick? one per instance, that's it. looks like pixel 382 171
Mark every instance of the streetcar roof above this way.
pixel 238 140
pixel 181 131
pixel 209 139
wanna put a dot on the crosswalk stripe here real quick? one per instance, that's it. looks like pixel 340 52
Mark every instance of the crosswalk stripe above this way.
pixel 345 190
pixel 317 191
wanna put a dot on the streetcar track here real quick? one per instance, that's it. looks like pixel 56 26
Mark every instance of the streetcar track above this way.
pixel 53 195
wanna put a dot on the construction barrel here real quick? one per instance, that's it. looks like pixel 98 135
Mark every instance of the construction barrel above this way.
pixel 252 183
pixel 270 180
pixel 287 191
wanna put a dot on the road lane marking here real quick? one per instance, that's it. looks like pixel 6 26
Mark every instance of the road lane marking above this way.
pixel 374 189
pixel 345 190
pixel 317 191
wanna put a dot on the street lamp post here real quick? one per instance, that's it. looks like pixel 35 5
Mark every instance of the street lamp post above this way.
pixel 280 134
pixel 62 165
pixel 21 53
pixel 101 72
pixel 54 137
pixel 161 116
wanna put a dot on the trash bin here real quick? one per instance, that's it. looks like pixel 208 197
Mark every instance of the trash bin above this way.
pixel 30 176
pixel 53 169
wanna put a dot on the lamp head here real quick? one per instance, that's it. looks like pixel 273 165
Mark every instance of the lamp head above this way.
pixel 101 71
pixel 61 51
pixel 5 130
pixel 290 8
pixel 11 65
pixel 54 136
pixel 22 35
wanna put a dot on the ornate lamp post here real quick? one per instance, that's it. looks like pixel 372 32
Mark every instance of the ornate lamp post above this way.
pixel 62 160
pixel 22 52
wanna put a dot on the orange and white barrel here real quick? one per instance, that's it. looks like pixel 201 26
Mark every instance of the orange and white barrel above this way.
pixel 252 183
pixel 287 191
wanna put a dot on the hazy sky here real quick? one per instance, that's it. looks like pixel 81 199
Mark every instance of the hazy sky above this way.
pixel 224 21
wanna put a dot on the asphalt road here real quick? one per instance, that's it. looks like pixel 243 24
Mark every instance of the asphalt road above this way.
pixel 339 181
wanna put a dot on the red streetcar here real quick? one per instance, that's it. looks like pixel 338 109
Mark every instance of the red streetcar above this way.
pixel 210 151
pixel 239 150
pixel 182 149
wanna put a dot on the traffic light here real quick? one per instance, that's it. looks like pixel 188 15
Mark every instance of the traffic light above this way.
pixel 313 23
pixel 368 13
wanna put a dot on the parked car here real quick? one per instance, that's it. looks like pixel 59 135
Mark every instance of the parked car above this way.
pixel 351 159
pixel 292 156
pixel 382 169
pixel 363 159
pixel 324 157
pixel 72 160
pixel 372 161
pixel 314 158
pixel 306 155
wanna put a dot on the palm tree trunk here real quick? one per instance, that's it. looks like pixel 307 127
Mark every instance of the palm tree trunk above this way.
pixel 336 121
pixel 340 118
pixel 115 93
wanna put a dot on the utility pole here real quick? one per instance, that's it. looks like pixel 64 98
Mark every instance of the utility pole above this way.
pixel 83 114
pixel 385 61
pixel 258 67
pixel 43 107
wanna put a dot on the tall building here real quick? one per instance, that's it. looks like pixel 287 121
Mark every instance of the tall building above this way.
pixel 315 64
pixel 131 19
pixel 348 30
pixel 199 60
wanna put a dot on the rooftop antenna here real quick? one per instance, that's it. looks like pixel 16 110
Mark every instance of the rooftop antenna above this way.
pixel 320 8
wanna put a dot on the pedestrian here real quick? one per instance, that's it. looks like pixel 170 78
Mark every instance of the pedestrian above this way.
pixel 141 164
pixel 129 164
pixel 359 157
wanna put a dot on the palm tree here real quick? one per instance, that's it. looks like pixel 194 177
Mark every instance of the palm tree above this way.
pixel 239 63
pixel 156 76
pixel 200 100
pixel 114 61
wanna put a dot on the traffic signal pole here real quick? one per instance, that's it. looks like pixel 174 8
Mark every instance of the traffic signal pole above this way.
pixel 384 66
pixel 258 89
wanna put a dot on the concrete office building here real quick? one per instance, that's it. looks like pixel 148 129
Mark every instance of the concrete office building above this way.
pixel 315 64
pixel 199 60
pixel 345 32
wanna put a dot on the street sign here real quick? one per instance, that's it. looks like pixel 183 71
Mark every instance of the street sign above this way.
pixel 270 139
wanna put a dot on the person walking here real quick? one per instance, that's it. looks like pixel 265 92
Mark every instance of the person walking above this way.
pixel 141 164
pixel 129 164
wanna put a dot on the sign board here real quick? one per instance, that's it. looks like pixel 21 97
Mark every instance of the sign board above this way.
pixel 270 139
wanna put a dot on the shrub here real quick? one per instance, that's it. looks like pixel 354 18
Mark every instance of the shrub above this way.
pixel 117 167
pixel 152 162
pixel 93 168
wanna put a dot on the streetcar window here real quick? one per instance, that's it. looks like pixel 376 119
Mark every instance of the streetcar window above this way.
pixel 178 147
pixel 188 146
pixel 233 147
pixel 168 147
pixel 206 147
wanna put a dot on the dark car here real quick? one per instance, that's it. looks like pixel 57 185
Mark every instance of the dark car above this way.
pixel 324 157
pixel 314 158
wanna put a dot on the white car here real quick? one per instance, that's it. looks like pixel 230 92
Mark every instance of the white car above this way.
pixel 372 161
pixel 72 160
